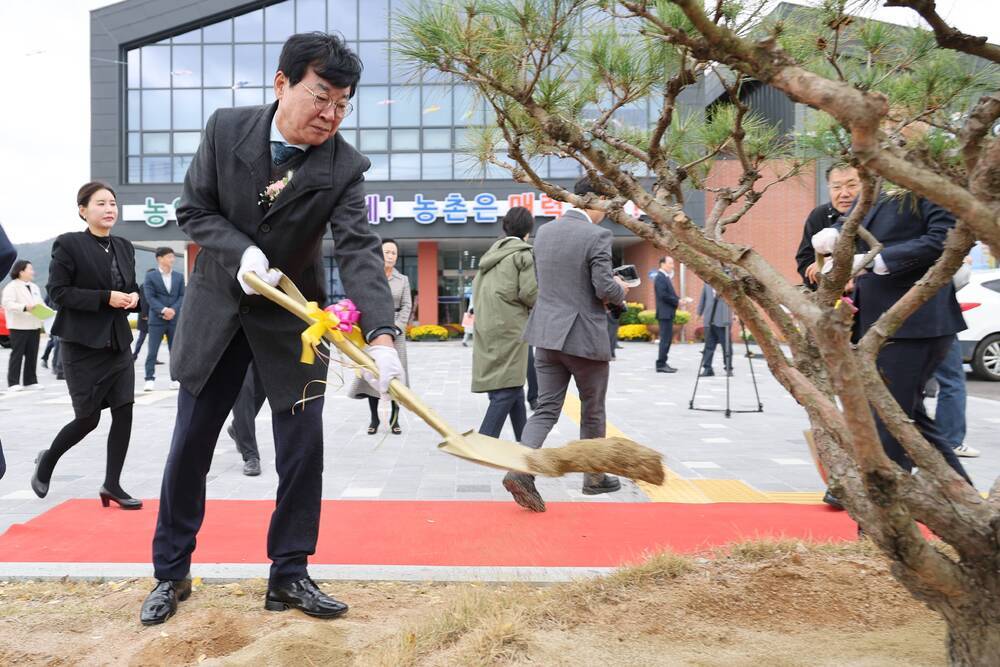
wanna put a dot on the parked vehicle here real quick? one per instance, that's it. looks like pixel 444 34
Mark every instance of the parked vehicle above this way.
pixel 980 301
pixel 4 331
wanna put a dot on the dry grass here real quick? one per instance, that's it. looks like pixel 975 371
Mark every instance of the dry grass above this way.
pixel 617 456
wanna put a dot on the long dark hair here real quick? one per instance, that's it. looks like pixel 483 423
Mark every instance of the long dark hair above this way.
pixel 88 190
pixel 19 265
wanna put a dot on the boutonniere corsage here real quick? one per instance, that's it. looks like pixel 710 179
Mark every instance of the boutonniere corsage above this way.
pixel 274 189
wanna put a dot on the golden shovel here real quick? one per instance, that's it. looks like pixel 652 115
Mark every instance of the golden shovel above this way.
pixel 615 455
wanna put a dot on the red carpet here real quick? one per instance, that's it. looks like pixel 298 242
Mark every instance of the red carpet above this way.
pixel 427 533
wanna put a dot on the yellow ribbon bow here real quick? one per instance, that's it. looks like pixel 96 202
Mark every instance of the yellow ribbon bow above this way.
pixel 323 321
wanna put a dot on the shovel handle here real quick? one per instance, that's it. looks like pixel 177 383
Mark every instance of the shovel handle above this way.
pixel 291 299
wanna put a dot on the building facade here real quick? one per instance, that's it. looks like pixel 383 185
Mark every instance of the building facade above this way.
pixel 159 70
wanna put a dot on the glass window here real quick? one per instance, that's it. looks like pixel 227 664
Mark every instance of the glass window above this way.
pixel 437 140
pixel 310 15
pixel 186 142
pixel 272 53
pixel 437 166
pixel 493 171
pixel 405 167
pixel 437 105
pixel 186 72
pixel 269 95
pixel 156 170
pixel 375 57
pixel 219 65
pixel 279 21
pixel 373 107
pixel 192 37
pixel 134 71
pixel 342 17
pixel 563 167
pixel 374 140
pixel 155 142
pixel 379 170
pixel 249 27
pixel 221 32
pixel 406 140
pixel 133 109
pixel 133 143
pixel 187 110
pixel 217 99
pixel 350 136
pixel 248 97
pixel 375 22
pixel 156 109
pixel 468 109
pixel 467 167
pixel 135 170
pixel 249 65
pixel 181 164
pixel 406 106
pixel 156 67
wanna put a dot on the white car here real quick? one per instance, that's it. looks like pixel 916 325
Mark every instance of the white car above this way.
pixel 980 301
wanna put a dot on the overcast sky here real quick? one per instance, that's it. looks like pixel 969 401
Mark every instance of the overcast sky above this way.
pixel 45 117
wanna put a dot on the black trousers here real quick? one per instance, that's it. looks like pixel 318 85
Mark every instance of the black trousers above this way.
pixel 503 403
pixel 298 444
pixel 716 335
pixel 532 377
pixel 248 404
pixel 906 365
pixel 666 337
pixel 23 351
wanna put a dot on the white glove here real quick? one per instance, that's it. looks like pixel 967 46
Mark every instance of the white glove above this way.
pixel 856 265
pixel 824 240
pixel 387 361
pixel 254 261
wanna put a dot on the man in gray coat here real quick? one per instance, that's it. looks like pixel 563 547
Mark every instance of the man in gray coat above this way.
pixel 569 329
pixel 244 223
pixel 717 318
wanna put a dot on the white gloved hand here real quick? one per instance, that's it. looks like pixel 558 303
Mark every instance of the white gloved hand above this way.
pixel 254 261
pixel 856 264
pixel 824 240
pixel 387 361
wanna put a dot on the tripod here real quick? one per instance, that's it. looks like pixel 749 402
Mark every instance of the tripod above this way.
pixel 727 354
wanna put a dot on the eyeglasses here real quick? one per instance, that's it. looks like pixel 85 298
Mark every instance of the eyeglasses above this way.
pixel 322 103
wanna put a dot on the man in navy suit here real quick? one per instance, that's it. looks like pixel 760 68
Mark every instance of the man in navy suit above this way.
pixel 912 231
pixel 666 306
pixel 164 291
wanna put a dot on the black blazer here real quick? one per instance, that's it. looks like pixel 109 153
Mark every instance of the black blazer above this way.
pixel 821 217
pixel 80 286
pixel 913 233
pixel 666 297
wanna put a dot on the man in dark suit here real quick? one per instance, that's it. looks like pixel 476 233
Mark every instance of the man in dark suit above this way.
pixel 912 231
pixel 666 307
pixel 844 186
pixel 164 290
pixel 230 208
pixel 717 319
pixel 569 329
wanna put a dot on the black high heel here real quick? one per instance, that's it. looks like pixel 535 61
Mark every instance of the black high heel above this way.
pixel 395 429
pixel 126 502
pixel 373 428
pixel 41 490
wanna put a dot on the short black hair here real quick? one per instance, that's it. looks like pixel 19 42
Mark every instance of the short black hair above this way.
pixel 19 265
pixel 327 54
pixel 518 222
pixel 838 166
pixel 663 260
pixel 585 186
pixel 163 251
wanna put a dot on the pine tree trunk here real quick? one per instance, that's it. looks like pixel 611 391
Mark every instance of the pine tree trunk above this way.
pixel 974 640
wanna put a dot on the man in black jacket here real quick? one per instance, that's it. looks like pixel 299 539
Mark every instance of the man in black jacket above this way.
pixel 844 186
pixel 666 307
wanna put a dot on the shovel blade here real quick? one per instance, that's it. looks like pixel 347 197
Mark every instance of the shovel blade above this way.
pixel 485 450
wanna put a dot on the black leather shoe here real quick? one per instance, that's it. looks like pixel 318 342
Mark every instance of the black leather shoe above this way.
pixel 832 501
pixel 666 369
pixel 305 596
pixel 41 490
pixel 126 502
pixel 607 485
pixel 706 373
pixel 251 467
pixel 161 603
pixel 522 487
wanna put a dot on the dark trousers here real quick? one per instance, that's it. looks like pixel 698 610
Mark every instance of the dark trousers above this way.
pixel 139 341
pixel 49 346
pixel 503 403
pixel 298 445
pixel 23 351
pixel 907 365
pixel 532 377
pixel 666 337
pixel 555 369
pixel 952 396
pixel 716 335
pixel 156 333
pixel 248 404
pixel 613 333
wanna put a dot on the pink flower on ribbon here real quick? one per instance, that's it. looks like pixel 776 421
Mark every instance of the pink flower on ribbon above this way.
pixel 346 312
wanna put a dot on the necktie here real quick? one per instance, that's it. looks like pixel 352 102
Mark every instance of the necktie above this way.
pixel 281 153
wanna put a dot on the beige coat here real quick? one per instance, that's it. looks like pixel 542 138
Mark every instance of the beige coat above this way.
pixel 399 285
pixel 19 297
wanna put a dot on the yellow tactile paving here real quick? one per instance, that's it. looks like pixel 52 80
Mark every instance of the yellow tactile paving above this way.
pixel 677 489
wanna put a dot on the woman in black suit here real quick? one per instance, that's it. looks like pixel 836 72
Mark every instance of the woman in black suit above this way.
pixel 92 282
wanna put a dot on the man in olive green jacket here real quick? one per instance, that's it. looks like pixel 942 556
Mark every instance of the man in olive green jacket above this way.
pixel 504 291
